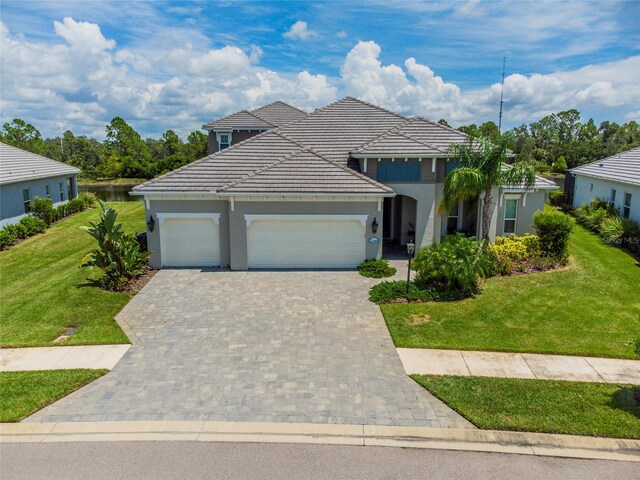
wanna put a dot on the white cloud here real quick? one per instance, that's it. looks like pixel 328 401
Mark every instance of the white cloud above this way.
pixel 342 34
pixel 417 90
pixel 299 31
pixel 83 35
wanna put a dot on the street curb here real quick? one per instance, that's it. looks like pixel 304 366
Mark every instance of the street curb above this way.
pixel 523 443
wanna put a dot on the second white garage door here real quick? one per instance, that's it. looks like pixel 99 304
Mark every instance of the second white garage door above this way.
pixel 310 242
pixel 190 242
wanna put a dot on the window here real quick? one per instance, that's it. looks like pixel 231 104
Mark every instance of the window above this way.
pixel 626 206
pixel 26 200
pixel 62 191
pixel 591 188
pixel 399 171
pixel 612 198
pixel 47 190
pixel 224 140
pixel 510 215
pixel 452 221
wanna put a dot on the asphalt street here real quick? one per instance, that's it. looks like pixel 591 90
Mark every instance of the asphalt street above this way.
pixel 200 460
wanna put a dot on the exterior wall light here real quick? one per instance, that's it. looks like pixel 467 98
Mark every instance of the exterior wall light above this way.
pixel 151 224
pixel 374 226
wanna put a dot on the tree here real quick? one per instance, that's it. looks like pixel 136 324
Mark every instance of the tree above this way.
pixel 442 121
pixel 22 135
pixel 483 166
pixel 560 165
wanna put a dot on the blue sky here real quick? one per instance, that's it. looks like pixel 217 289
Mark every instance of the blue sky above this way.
pixel 177 65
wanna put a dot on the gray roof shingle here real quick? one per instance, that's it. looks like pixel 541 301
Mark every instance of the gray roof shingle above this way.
pixel 305 171
pixel 623 167
pixel 313 154
pixel 17 165
pixel 276 114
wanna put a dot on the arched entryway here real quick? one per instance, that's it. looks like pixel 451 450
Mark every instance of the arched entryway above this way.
pixel 399 221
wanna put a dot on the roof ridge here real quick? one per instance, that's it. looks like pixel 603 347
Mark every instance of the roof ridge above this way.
pixel 375 106
pixel 420 141
pixel 379 137
pixel 398 130
pixel 349 169
pixel 242 179
pixel 258 117
pixel 446 127
pixel 284 103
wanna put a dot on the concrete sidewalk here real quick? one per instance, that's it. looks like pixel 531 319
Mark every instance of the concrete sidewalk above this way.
pixel 58 358
pixel 519 365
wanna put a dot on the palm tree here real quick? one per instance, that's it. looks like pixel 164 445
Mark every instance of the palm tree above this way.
pixel 483 165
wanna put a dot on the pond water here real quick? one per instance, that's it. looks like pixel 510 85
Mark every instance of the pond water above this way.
pixel 111 193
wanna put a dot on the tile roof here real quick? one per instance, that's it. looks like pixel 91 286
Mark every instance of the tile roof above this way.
pixel 623 167
pixel 276 114
pixel 312 154
pixel 394 141
pixel 305 171
pixel 17 165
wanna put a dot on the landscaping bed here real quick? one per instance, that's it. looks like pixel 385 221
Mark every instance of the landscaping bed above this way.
pixel 44 290
pixel 23 393
pixel 591 308
pixel 574 408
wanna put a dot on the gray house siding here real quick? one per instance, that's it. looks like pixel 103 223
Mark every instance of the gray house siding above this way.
pixel 187 206
pixel 584 193
pixel 238 225
pixel 11 200
pixel 524 219
pixel 236 137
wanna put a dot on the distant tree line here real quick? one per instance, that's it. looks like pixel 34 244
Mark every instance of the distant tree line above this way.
pixel 560 140
pixel 122 154
pixel 554 143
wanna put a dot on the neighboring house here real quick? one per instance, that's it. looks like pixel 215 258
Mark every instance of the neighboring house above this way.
pixel 615 178
pixel 25 175
pixel 241 125
pixel 328 190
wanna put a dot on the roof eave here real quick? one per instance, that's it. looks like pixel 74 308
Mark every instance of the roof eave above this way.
pixel 40 177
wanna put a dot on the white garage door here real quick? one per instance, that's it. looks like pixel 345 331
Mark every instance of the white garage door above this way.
pixel 310 242
pixel 190 242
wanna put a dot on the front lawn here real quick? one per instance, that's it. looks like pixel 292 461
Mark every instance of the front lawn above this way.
pixel 44 291
pixel 591 308
pixel 23 393
pixel 575 408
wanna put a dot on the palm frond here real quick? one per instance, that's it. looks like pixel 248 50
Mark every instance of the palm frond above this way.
pixel 519 174
pixel 463 183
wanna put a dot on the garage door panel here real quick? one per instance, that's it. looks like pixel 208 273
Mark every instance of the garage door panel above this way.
pixel 190 242
pixel 305 243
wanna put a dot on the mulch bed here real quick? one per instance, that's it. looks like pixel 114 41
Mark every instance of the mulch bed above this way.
pixel 136 284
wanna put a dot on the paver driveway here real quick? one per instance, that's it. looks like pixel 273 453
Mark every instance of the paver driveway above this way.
pixel 256 346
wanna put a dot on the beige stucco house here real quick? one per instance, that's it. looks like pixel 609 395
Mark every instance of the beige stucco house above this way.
pixel 326 189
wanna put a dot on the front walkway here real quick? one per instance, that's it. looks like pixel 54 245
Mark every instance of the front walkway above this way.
pixel 58 358
pixel 286 346
pixel 519 365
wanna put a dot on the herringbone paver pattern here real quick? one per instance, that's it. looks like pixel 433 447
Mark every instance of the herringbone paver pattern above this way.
pixel 256 346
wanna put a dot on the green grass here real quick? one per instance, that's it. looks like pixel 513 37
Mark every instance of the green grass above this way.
pixel 44 291
pixel 592 307
pixel 23 393
pixel 575 408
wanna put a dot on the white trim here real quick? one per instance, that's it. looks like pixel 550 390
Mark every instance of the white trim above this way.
pixel 433 164
pixel 162 217
pixel 399 155
pixel 379 205
pixel 250 218
pixel 40 177
pixel 364 164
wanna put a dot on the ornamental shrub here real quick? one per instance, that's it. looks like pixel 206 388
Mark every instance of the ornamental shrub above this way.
pixel 17 230
pixel 554 231
pixel 7 238
pixel 88 199
pixel 118 254
pixel 376 268
pixel 453 268
pixel 557 198
pixel 396 292
pixel 516 253
pixel 33 225
pixel 43 209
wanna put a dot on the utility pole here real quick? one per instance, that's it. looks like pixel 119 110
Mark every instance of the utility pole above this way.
pixel 504 64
